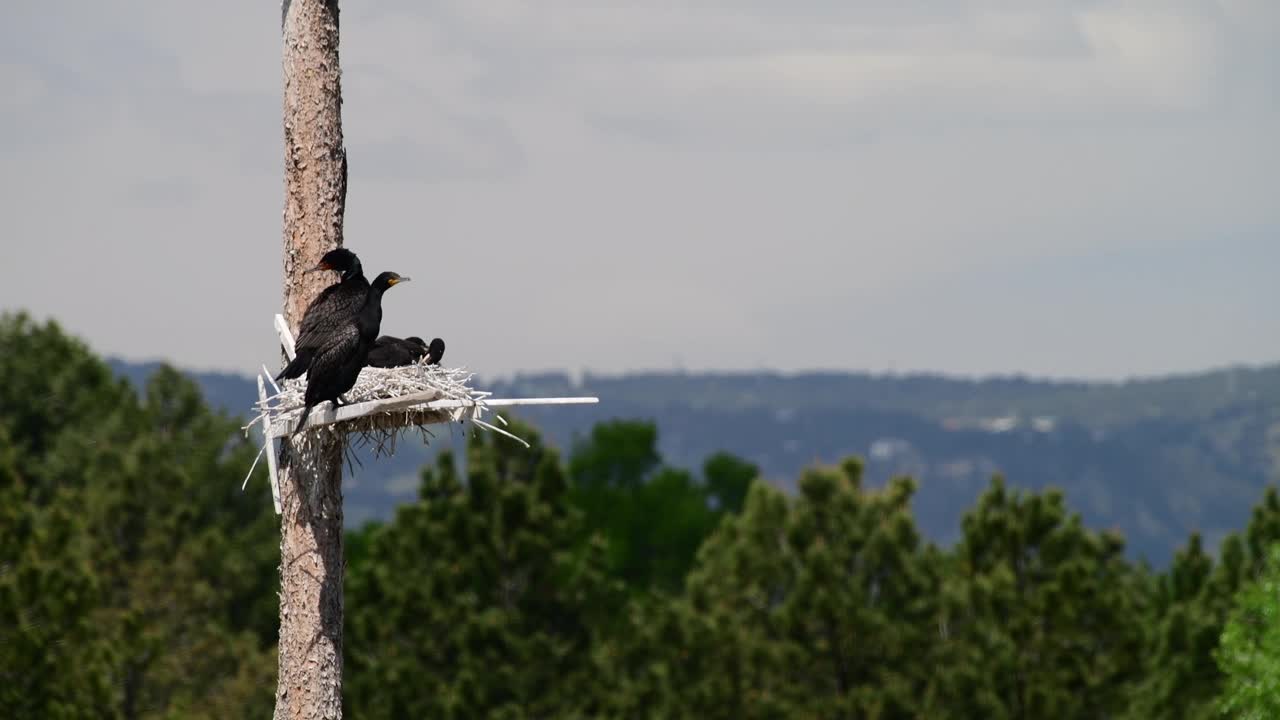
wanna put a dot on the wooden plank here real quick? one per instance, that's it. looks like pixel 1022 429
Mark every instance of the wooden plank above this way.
pixel 270 449
pixel 286 336
pixel 506 402
pixel 422 401
pixel 325 414
pixel 270 379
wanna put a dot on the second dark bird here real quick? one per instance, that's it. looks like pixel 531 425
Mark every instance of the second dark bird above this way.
pixel 336 364
pixel 389 352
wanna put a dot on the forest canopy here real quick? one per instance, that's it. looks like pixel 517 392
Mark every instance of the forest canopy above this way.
pixel 137 580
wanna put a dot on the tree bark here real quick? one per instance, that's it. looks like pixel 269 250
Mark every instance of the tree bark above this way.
pixel 311 553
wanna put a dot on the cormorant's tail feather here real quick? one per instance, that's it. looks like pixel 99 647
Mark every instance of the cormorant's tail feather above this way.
pixel 298 365
pixel 302 421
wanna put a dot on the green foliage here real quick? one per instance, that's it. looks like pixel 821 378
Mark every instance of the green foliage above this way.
pixel 1180 681
pixel 51 383
pixel 1190 605
pixel 728 478
pixel 137 581
pixel 477 601
pixel 618 454
pixel 1263 530
pixel 1250 652
pixel 48 592
pixel 817 607
pixel 135 578
pixel 652 518
pixel 1039 615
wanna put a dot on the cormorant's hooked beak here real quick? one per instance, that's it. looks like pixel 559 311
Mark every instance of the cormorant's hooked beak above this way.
pixel 397 281
pixel 321 266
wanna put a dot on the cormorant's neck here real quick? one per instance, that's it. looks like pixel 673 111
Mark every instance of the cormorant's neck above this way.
pixel 370 317
pixel 373 300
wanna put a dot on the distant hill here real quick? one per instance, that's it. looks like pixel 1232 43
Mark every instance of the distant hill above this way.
pixel 1154 458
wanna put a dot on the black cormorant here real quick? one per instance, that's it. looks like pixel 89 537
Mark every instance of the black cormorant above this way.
pixel 334 307
pixel 390 351
pixel 337 362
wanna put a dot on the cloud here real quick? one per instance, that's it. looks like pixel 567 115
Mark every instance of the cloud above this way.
pixel 477 152
pixel 161 193
pixel 614 184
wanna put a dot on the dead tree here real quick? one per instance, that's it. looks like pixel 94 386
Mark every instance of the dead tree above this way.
pixel 311 553
pixel 306 478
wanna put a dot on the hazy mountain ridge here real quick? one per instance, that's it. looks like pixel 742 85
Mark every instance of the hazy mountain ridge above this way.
pixel 1154 458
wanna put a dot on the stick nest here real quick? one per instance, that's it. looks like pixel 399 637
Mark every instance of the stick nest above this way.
pixel 381 429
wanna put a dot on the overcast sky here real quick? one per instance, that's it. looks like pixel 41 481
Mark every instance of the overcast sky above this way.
pixel 1086 188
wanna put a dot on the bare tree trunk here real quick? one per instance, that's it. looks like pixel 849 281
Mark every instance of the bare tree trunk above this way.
pixel 311 564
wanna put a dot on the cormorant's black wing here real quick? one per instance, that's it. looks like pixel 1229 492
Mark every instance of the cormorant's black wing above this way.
pixel 388 352
pixel 331 373
pixel 385 354
pixel 334 307
pixel 335 365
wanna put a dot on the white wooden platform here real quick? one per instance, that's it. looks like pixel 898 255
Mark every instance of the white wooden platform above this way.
pixel 420 402
pixel 425 408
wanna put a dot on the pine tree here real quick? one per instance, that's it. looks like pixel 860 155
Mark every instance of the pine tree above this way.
pixel 1250 652
pixel 1039 615
pixel 128 557
pixel 813 607
pixel 652 518
pixel 1182 680
pixel 728 479
pixel 1179 680
pixel 478 601
pixel 48 592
